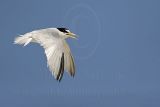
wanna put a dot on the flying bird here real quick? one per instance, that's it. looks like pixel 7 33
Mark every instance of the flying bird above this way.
pixel 57 51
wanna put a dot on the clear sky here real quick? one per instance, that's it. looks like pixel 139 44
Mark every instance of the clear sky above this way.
pixel 117 54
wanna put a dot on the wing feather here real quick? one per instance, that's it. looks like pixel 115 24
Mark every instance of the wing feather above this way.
pixel 69 64
pixel 59 58
pixel 61 68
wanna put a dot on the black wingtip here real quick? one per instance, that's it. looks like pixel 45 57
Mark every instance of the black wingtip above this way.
pixel 61 69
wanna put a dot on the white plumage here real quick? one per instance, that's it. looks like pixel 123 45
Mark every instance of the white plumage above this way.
pixel 59 57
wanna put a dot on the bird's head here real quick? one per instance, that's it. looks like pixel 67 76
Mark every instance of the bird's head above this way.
pixel 66 33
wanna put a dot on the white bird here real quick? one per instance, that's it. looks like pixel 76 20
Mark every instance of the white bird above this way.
pixel 59 57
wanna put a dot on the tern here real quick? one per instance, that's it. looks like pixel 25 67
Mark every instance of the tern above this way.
pixel 57 51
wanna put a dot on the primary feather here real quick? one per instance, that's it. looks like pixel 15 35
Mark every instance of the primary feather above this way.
pixel 59 57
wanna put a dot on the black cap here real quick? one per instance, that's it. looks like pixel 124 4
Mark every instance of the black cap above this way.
pixel 64 30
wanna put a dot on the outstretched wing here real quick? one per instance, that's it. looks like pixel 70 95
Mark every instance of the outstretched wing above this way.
pixel 59 58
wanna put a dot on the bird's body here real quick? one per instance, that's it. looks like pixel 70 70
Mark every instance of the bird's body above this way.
pixel 59 57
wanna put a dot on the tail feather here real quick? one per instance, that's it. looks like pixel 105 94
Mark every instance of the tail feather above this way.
pixel 22 40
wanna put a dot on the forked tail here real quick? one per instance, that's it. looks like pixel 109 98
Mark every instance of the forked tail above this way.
pixel 22 40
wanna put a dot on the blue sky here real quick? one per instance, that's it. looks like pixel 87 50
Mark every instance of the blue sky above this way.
pixel 117 54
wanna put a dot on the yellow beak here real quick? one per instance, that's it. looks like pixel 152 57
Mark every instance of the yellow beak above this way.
pixel 72 35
